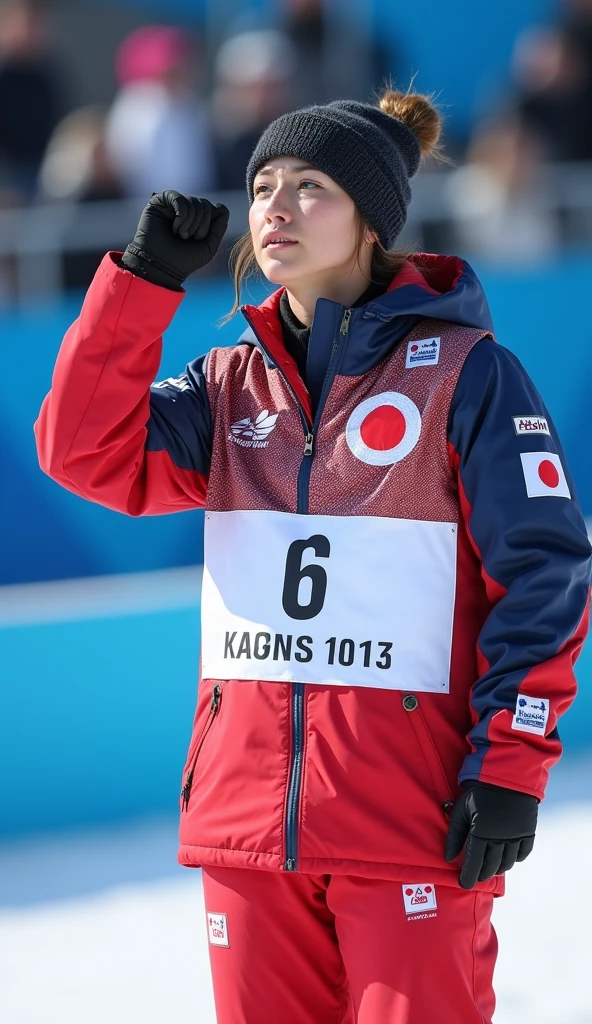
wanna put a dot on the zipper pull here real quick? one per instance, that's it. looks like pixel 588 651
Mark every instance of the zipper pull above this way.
pixel 345 322
pixel 309 444
pixel 186 791
pixel 216 696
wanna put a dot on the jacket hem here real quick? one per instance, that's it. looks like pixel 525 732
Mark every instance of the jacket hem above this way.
pixel 205 856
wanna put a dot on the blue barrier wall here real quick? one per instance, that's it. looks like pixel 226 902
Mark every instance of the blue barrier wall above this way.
pixel 55 534
pixel 96 717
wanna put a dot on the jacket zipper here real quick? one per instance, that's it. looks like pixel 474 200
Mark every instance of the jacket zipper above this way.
pixel 428 749
pixel 306 467
pixel 297 691
pixel 214 709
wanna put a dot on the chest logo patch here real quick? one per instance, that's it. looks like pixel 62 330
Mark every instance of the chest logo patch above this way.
pixel 250 433
pixel 422 353
pixel 383 429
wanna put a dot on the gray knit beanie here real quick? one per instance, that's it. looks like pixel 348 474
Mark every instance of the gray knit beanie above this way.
pixel 370 152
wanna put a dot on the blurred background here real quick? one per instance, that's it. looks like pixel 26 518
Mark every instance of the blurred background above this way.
pixel 103 102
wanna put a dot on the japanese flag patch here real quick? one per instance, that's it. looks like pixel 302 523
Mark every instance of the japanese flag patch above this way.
pixel 419 897
pixel 531 715
pixel 422 353
pixel 218 930
pixel 543 475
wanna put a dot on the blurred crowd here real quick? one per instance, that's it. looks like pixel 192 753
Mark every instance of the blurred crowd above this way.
pixel 186 115
pixel 179 119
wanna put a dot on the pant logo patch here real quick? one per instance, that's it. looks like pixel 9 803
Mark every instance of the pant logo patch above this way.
pixel 218 930
pixel 419 898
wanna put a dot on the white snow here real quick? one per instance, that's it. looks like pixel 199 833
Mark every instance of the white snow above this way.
pixel 137 951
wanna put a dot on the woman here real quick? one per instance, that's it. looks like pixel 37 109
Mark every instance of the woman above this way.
pixel 391 606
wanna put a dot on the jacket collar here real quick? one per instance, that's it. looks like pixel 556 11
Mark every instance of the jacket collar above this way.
pixel 427 286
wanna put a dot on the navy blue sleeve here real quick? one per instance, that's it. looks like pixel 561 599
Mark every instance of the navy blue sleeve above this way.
pixel 521 513
pixel 180 419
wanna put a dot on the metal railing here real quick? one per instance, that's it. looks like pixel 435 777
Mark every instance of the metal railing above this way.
pixel 33 240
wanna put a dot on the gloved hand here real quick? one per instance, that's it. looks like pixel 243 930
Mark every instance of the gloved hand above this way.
pixel 498 825
pixel 175 236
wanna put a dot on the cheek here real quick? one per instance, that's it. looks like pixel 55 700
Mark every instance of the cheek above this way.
pixel 332 230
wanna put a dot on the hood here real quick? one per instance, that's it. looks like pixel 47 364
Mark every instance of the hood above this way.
pixel 427 286
pixel 442 287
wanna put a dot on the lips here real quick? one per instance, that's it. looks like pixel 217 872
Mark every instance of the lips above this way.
pixel 276 239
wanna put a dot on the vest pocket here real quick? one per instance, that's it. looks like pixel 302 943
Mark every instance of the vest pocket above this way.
pixel 430 754
pixel 215 703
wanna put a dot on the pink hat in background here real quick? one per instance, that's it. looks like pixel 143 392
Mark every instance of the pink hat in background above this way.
pixel 151 52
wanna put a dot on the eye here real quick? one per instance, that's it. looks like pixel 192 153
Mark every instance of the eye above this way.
pixel 261 188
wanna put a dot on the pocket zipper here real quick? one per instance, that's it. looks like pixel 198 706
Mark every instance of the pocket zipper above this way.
pixel 214 709
pixel 428 749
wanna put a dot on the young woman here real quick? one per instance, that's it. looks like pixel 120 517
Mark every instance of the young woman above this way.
pixel 395 583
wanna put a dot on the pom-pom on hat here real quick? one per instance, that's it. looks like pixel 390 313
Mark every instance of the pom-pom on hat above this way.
pixel 371 151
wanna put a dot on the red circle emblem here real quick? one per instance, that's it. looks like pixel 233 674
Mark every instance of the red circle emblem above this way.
pixel 414 348
pixel 409 892
pixel 548 473
pixel 383 428
pixel 427 888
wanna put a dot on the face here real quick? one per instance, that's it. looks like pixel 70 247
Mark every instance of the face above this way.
pixel 303 225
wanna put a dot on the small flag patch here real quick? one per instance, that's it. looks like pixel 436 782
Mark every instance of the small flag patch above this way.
pixel 543 475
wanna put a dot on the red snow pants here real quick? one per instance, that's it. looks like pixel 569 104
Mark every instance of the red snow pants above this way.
pixel 341 949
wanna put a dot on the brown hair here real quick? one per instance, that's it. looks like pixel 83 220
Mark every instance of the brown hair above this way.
pixel 416 111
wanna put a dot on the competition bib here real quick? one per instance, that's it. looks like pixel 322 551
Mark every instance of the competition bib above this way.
pixel 339 600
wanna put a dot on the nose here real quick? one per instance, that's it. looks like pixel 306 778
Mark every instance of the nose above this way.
pixel 277 208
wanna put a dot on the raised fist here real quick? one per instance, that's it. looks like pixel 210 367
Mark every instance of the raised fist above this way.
pixel 176 235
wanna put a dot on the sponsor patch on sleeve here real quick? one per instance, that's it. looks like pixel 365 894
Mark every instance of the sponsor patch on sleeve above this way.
pixel 531 425
pixel 218 930
pixel 531 715
pixel 422 353
pixel 543 475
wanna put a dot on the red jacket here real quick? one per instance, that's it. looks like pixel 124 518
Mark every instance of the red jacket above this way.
pixel 391 605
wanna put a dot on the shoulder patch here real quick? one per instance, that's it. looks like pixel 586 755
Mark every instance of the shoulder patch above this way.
pixel 531 425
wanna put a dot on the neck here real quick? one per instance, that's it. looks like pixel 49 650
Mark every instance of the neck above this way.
pixel 345 290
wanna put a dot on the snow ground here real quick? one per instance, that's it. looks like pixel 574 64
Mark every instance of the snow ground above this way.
pixel 103 926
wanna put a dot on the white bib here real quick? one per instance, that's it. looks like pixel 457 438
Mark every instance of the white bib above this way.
pixel 340 600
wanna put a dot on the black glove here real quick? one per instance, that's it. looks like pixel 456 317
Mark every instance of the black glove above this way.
pixel 500 824
pixel 176 235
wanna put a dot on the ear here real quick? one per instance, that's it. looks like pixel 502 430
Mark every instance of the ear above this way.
pixel 370 237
